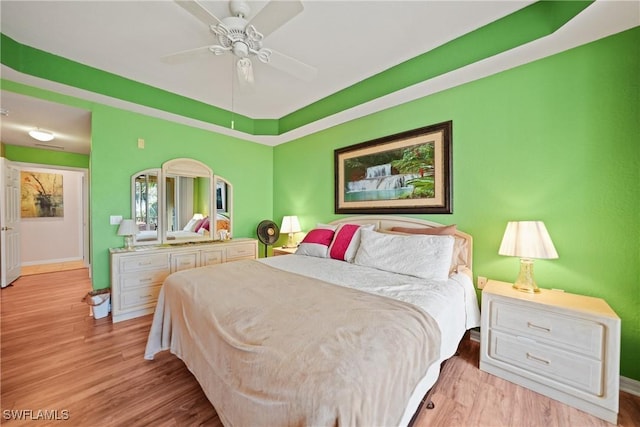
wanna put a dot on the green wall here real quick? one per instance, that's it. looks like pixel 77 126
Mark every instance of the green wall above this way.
pixel 47 157
pixel 555 140
pixel 115 156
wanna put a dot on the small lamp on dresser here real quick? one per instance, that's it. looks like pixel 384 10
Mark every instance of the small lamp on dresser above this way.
pixel 290 224
pixel 527 240
pixel 127 229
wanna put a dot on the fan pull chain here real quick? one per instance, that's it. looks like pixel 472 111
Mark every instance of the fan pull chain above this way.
pixel 233 123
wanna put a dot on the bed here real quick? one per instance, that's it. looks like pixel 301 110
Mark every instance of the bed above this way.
pixel 347 331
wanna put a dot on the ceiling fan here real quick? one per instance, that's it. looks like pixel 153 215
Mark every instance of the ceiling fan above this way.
pixel 243 37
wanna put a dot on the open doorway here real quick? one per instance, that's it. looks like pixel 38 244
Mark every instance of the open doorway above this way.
pixel 58 241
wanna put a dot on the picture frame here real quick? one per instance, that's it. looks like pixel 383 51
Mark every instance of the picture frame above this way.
pixel 41 195
pixel 409 172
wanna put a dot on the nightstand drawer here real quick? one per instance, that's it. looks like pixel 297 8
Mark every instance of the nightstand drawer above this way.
pixel 139 297
pixel 143 262
pixel 561 368
pixel 566 332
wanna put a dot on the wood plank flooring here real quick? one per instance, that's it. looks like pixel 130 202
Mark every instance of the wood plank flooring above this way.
pixel 55 357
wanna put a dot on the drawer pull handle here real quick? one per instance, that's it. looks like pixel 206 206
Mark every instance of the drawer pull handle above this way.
pixel 145 280
pixel 540 328
pixel 141 263
pixel 538 359
pixel 145 296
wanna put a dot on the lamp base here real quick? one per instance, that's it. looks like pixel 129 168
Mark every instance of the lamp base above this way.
pixel 525 281
pixel 128 243
pixel 290 242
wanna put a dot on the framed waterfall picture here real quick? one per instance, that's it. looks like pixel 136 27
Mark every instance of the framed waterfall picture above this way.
pixel 409 172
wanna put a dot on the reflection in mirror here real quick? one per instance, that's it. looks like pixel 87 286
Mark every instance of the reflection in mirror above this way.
pixel 144 193
pixel 188 201
pixel 187 207
pixel 224 202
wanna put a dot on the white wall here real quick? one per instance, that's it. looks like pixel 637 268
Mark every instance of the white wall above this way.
pixel 47 240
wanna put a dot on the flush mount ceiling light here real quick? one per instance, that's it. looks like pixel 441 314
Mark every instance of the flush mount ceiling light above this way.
pixel 41 135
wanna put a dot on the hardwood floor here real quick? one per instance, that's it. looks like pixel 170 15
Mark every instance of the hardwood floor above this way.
pixel 55 357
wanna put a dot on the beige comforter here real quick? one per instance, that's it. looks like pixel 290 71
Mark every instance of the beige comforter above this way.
pixel 275 348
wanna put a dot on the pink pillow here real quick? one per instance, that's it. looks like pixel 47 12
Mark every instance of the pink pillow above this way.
pixel 316 243
pixel 346 241
pixel 204 222
pixel 197 225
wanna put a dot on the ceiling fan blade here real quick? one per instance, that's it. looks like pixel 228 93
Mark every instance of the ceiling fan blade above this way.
pixel 185 55
pixel 197 10
pixel 292 66
pixel 275 14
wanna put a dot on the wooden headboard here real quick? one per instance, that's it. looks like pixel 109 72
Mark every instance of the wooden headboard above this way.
pixel 386 222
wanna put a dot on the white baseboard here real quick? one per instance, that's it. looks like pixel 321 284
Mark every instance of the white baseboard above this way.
pixel 626 384
pixel 50 261
pixel 630 386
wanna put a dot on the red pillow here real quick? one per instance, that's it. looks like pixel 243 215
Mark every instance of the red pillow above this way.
pixel 204 224
pixel 346 241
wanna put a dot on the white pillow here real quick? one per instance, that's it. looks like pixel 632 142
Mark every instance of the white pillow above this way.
pixel 424 256
pixel 190 225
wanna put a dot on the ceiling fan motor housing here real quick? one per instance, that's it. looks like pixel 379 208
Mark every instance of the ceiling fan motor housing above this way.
pixel 236 37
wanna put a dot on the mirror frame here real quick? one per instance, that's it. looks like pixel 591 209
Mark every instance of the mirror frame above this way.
pixel 189 168
pixel 155 171
pixel 229 210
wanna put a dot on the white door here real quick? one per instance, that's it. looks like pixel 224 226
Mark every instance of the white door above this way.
pixel 9 222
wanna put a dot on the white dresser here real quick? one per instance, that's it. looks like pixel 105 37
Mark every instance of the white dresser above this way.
pixel 562 345
pixel 136 276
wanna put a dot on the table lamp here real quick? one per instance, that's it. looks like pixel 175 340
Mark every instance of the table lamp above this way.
pixel 527 240
pixel 127 229
pixel 290 224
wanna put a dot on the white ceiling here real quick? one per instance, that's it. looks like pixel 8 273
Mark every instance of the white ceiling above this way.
pixel 347 41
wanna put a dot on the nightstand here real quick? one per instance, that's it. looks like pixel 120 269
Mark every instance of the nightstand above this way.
pixel 561 345
pixel 281 250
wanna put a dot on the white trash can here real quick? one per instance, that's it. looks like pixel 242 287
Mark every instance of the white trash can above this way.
pixel 101 305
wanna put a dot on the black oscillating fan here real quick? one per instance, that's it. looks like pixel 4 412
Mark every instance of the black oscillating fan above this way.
pixel 268 233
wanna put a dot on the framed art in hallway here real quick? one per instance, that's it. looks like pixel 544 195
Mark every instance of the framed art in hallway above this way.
pixel 41 195
pixel 409 172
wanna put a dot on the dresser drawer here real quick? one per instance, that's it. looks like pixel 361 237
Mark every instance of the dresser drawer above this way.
pixel 184 261
pixel 138 298
pixel 143 279
pixel 144 262
pixel 211 257
pixel 570 333
pixel 241 251
pixel 559 367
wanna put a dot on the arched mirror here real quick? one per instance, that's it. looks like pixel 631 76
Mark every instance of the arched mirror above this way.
pixel 176 204
pixel 145 204
pixel 187 201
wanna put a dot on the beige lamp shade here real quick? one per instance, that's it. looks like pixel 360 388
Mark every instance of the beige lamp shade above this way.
pixel 527 239
pixel 127 228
